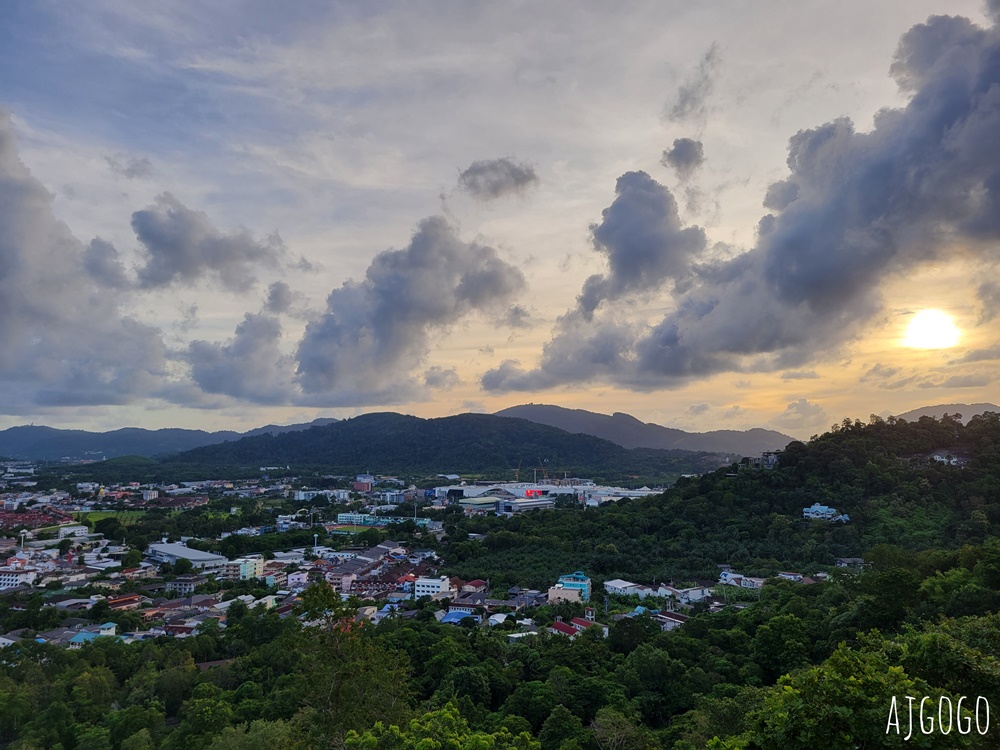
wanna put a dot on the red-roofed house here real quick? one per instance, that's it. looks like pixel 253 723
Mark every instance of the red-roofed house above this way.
pixel 561 628
pixel 579 624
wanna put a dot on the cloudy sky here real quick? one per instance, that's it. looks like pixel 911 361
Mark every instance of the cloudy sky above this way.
pixel 707 215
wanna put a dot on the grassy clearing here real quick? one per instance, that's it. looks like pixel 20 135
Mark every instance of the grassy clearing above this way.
pixel 124 517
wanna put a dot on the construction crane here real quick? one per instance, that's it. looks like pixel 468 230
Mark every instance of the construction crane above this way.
pixel 517 471
pixel 545 472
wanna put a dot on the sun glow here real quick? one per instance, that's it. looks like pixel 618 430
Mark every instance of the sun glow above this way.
pixel 931 329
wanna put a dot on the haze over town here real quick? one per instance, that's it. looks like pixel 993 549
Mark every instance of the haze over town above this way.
pixel 708 217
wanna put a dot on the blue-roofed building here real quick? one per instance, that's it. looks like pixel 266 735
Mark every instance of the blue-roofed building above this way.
pixel 579 581
pixel 816 510
pixel 455 618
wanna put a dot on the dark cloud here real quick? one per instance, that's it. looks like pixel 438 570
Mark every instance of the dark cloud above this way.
pixel 979 355
pixel 878 371
pixel 517 316
pixel 685 157
pixel 799 375
pixel 646 245
pixel 182 245
pixel 973 380
pixel 375 331
pixel 733 412
pixel 922 186
pixel 495 178
pixel 130 167
pixel 250 366
pixel 780 195
pixel 695 410
pixel 689 102
pixel 63 337
pixel 441 379
pixel 104 266
pixel 988 295
pixel 279 297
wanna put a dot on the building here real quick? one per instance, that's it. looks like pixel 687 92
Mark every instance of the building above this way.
pixel 579 581
pixel 171 552
pixel 436 588
pixel 243 569
pixel 620 587
pixel 67 531
pixel 185 585
pixel 12 576
pixel 514 505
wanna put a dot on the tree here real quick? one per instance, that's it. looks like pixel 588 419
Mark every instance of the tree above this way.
pixel 183 566
pixel 560 727
pixel 615 731
pixel 132 559
pixel 257 735
pixel 444 729
pixel 843 704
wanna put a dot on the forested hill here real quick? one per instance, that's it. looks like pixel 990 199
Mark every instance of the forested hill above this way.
pixel 40 443
pixel 629 432
pixel 465 443
pixel 883 474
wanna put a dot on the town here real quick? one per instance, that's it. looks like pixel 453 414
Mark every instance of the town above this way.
pixel 65 546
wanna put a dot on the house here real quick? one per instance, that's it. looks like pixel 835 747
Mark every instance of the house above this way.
pixel 797 577
pixel 580 624
pixel 574 582
pixel 561 628
pixel 619 587
pixel 476 587
pixel 850 562
pixel 185 585
pixel 825 513
pixel 124 601
pixel 669 620
pixel 296 580
pixel 560 593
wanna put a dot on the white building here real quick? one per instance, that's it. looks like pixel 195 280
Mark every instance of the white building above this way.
pixel 436 588
pixel 11 576
pixel 620 587
pixel 171 553
pixel 65 531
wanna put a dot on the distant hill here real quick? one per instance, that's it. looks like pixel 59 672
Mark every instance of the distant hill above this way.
pixel 40 443
pixel 629 432
pixel 465 443
pixel 968 411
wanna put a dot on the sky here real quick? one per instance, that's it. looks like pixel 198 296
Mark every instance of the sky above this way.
pixel 707 215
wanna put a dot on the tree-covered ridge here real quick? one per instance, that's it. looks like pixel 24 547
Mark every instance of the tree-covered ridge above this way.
pixel 882 474
pixel 472 443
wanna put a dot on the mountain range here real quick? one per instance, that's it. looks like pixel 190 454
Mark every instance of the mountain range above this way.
pixel 31 442
pixel 968 411
pixel 629 432
pixel 461 444
pixel 39 443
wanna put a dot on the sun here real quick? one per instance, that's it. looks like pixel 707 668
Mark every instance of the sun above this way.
pixel 931 329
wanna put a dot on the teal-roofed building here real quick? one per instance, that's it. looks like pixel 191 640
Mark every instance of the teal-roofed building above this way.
pixel 579 581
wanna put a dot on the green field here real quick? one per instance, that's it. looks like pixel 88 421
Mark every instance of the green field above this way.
pixel 351 529
pixel 125 517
